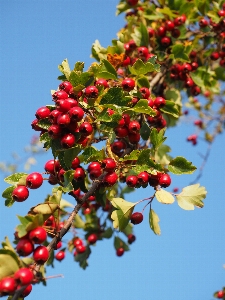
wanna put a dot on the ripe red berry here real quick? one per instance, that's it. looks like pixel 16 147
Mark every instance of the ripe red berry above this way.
pixel 26 291
pixel 165 41
pixel 80 249
pixel 76 113
pixel 127 61
pixel 92 238
pixel 60 255
pixel 52 166
pixel 94 174
pixel 134 127
pixel 134 137
pixel 24 247
pixel 24 276
pixel 65 86
pixel 42 113
pixel 220 294
pixel 151 32
pixel 35 126
pixel 41 255
pixel 169 25
pixel 110 178
pixel 132 2
pixel 86 129
pixel 175 33
pixel 68 140
pixel 108 164
pixel 121 131
pixel 161 31
pixel 63 120
pixel 131 180
pixel 203 23
pixel 221 13
pixel 165 180
pixel 38 235
pixel 7 286
pixel 131 238
pixel 189 82
pixel 93 166
pixel 159 102
pixel 58 95
pixel 102 82
pixel 120 251
pixel 77 242
pixel 186 68
pixel 136 218
pixel 143 178
pixel 179 20
pixel 222 62
pixel 128 84
pixel 75 163
pixel 118 146
pixel 54 131
pixel 59 245
pixel 195 90
pixel 34 180
pixel 20 193
pixel 79 174
pixel 91 92
pixel 214 55
pixel 142 52
pixel 145 92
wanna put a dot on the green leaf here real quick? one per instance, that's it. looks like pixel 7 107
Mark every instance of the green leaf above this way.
pixel 65 68
pixel 78 78
pixel 128 230
pixel 114 96
pixel 180 165
pixel 161 155
pixel 173 95
pixel 144 35
pixel 164 197
pixel 91 154
pixel 191 196
pixel 82 258
pixel 79 66
pixel 220 74
pixel 78 222
pixel 144 157
pixel 167 11
pixel 142 81
pixel 45 208
pixel 121 216
pixel 179 52
pixel 15 178
pixel 153 221
pixel 56 146
pixel 107 234
pixel 142 108
pixel 132 156
pixel 157 138
pixel 44 123
pixel 118 243
pixel 68 178
pixel 109 67
pixel 145 131
pixel 141 68
pixel 64 203
pixel 8 264
pixel 70 154
pixel 7 194
pixel 98 52
pixel 105 75
pixel 171 109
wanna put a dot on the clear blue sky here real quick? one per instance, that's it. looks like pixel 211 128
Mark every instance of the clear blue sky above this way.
pixel 186 261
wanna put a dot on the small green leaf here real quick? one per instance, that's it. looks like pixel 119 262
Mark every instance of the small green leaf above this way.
pixel 153 221
pixel 142 108
pixel 121 216
pixel 144 157
pixel 180 165
pixel 14 178
pixel 82 258
pixel 132 156
pixel 128 230
pixel 167 11
pixel 142 81
pixel 68 178
pixel 64 203
pixel 109 67
pixel 78 222
pixel 173 95
pixel 141 68
pixel 157 138
pixel 161 155
pixel 191 196
pixel 65 68
pixel 105 75
pixel 145 131
pixel 179 52
pixel 164 197
pixel 70 154
pixel 91 154
pixel 7 194
pixel 114 96
pixel 107 234
pixel 171 109
pixel 118 243
pixel 45 208
pixel 79 66
pixel 8 263
pixel 44 123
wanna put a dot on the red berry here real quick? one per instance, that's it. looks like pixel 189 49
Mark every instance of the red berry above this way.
pixel 60 255
pixel 63 105
pixel 75 163
pixel 134 137
pixel 121 131
pixel 189 82
pixel 91 92
pixel 52 166
pixel 54 116
pixel 61 175
pixel 58 95
pixel 20 193
pixel 143 52
pixel 214 55
pixel 92 238
pixel 111 178
pixel 131 238
pixel 63 120
pixel 65 86
pixel 132 2
pixel 180 20
pixel 136 218
pixel 128 84
pixel 161 31
pixel 34 180
pixel 131 180
pixel 220 294
pixel 24 276
pixel 26 291
pixel 203 23
pixel 169 25
pixel 42 113
pixel 7 286
pixel 54 131
pixel 59 245
pixel 102 82
pixel 195 90
pixel 222 62
pixel 134 127
pixel 186 68
pixel 221 13
pixel 76 113
pixel 120 251
pixel 175 33
pixel 80 249
pixel 93 166
pixel 85 128
pixel 68 140
pixel 38 235
pixel 24 247
pixel 166 41
pixel 35 126
pixel 118 146
pixel 41 255
pixel 143 178
pixel 127 61
pixel 79 174
pixel 77 242
pixel 108 164
pixel 94 174
pixel 151 32
pixel 145 92
pixel 159 102
pixel 165 180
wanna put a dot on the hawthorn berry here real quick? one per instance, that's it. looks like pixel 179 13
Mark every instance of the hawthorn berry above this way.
pixel 136 218
pixel 77 242
pixel 108 164
pixel 165 41
pixel 169 25
pixel 58 95
pixel 91 92
pixel 110 178
pixel 35 126
pixel 92 238
pixel 75 163
pixel 66 86
pixel 121 131
pixel 24 247
pixel 142 52
pixel 131 238
pixel 23 276
pixel 20 193
pixel 128 84
pixel 175 33
pixel 85 129
pixel 143 178
pixel 52 166
pixel 63 120
pixel 165 180
pixel 131 180
pixel 41 255
pixel 203 23
pixel 80 249
pixel 220 294
pixel 38 235
pixel 26 291
pixel 214 55
pixel 93 166
pixel 34 180
pixel 59 245
pixel 42 113
pixel 120 251
pixel 54 116
pixel 55 131
pixel 79 174
pixel 76 113
pixel 134 137
pixel 60 255
pixel 161 31
pixel 102 82
pixel 132 2
pixel 7 286
pixel 159 102
pixel 68 140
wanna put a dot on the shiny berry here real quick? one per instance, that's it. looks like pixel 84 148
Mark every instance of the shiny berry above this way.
pixel 143 178
pixel 121 131
pixel 131 238
pixel 52 166
pixel 76 113
pixel 108 164
pixel 136 218
pixel 68 140
pixel 120 251
pixel 42 113
pixel 38 235
pixel 102 82
pixel 131 180
pixel 20 193
pixel 214 55
pixel 165 180
pixel 86 129
pixel 144 92
pixel 134 127
pixel 63 120
pixel 91 92
pixel 26 291
pixel 128 84
pixel 92 238
pixel 165 41
pixel 24 247
pixel 220 294
pixel 60 255
pixel 41 255
pixel 203 23
pixel 110 178
pixel 58 95
pixel 81 249
pixel 79 174
pixel 24 276
pixel 75 163
pixel 7 286
pixel 159 102
pixel 54 131
pixel 66 86
pixel 34 180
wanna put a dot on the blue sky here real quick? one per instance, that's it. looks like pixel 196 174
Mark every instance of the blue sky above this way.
pixel 186 261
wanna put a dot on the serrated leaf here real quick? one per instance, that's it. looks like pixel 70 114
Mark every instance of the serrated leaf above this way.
pixel 114 96
pixel 171 109
pixel 79 66
pixel 44 123
pixel 191 196
pixel 167 11
pixel 121 216
pixel 141 68
pixel 91 154
pixel 173 95
pixel 143 108
pixel 180 165
pixel 119 243
pixel 142 81
pixel 157 138
pixel 144 157
pixel 179 53
pixel 109 67
pixel 70 154
pixel 105 75
pixel 8 263
pixel 68 178
pixel 132 156
pixel 45 208
pixel 14 178
pixel 153 221
pixel 65 68
pixel 161 155
pixel 145 131
pixel 164 197
pixel 78 78
pixel 7 194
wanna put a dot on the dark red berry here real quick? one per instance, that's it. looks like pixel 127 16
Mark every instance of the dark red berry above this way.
pixel 54 131
pixel 203 23
pixel 131 238
pixel 169 25
pixel 214 56
pixel 86 129
pixel 136 218
pixel 120 251
pixel 24 247
pixel 41 255
pixel 63 120
pixel 58 95
pixel 134 137
pixel 26 291
pixel 131 180
pixel 91 92
pixel 79 174
pixel 128 84
pixel 66 86
pixel 102 82
pixel 52 166
pixel 68 140
pixel 35 126
pixel 42 113
pixel 145 92
pixel 175 33
pixel 76 113
pixel 111 178
pixel 134 127
pixel 143 178
pixel 80 249
pixel 159 102
pixel 165 180
pixel 34 180
pixel 132 2
pixel 165 41
pixel 92 238
pixel 75 163
pixel 60 255
pixel 20 193
pixel 7 286
pixel 24 276
pixel 161 31
pixel 108 164
pixel 121 131
pixel 38 235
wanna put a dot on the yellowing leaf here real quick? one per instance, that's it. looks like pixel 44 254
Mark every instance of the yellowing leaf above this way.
pixel 45 208
pixel 153 221
pixel 8 265
pixel 191 196
pixel 164 197
pixel 121 216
